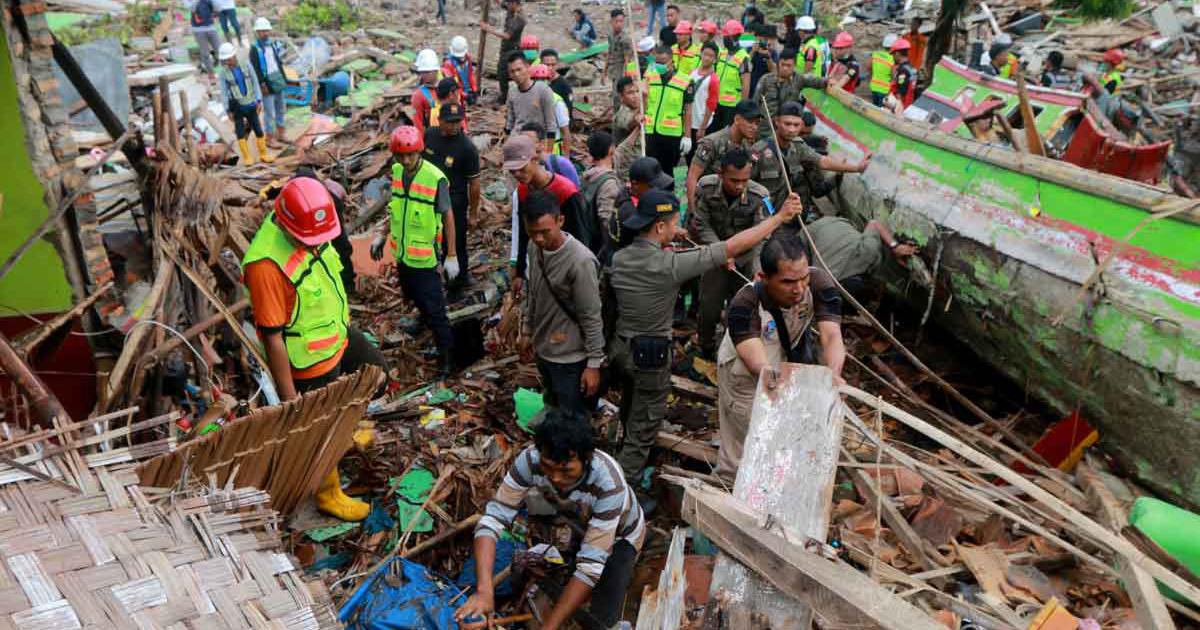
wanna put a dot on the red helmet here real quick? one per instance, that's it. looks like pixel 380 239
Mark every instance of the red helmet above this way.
pixel 733 28
pixel 1114 56
pixel 901 44
pixel 530 42
pixel 708 26
pixel 843 40
pixel 406 139
pixel 683 28
pixel 305 209
pixel 541 71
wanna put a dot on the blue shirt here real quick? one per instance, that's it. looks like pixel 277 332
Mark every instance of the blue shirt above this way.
pixel 560 165
pixel 241 80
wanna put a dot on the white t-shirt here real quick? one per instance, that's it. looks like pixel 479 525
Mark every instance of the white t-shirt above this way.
pixel 561 116
pixel 700 102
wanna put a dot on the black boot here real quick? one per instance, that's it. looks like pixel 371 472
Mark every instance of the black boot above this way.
pixel 445 365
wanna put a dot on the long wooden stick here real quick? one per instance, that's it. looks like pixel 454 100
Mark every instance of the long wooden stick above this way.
pixel 30 343
pixel 638 78
pixel 487 4
pixel 1077 518
pixel 1031 133
pixel 912 358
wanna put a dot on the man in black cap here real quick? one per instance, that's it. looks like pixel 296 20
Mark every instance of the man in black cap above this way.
pixel 782 85
pixel 448 148
pixel 804 164
pixel 712 147
pixel 646 174
pixel 645 279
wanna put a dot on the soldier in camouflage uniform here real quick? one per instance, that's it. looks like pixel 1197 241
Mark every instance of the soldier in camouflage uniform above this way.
pixel 804 165
pixel 783 85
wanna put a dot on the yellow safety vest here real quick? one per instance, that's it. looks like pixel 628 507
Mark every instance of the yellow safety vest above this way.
pixel 320 318
pixel 416 226
pixel 1010 67
pixel 729 72
pixel 1111 76
pixel 882 63
pixel 632 70
pixel 814 44
pixel 664 103
pixel 556 149
pixel 686 59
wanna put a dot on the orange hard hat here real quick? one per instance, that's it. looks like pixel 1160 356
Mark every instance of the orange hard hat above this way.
pixel 733 28
pixel 304 208
pixel 901 44
pixel 406 139
pixel 683 28
pixel 708 26
pixel 843 40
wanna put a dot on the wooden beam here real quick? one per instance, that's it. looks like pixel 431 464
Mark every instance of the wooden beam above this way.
pixel 1148 603
pixel 1032 139
pixel 872 497
pixel 698 390
pixel 1085 525
pixel 687 447
pixel 840 594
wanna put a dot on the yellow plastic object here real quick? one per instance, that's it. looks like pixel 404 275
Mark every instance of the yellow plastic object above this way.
pixel 332 501
pixel 364 435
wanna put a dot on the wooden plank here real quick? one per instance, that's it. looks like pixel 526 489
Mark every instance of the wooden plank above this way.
pixel 687 447
pixel 698 390
pixel 892 516
pixel 841 595
pixel 787 471
pixel 1147 601
pixel 1085 525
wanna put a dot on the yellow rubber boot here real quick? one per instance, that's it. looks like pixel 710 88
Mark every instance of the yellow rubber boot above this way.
pixel 247 156
pixel 364 435
pixel 332 501
pixel 262 150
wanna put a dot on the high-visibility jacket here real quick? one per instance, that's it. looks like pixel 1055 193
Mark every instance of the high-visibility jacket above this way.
pixel 686 59
pixel 416 226
pixel 817 44
pixel 1113 76
pixel 241 96
pixel 664 103
pixel 320 318
pixel 556 148
pixel 434 106
pixel 729 73
pixel 1009 69
pixel 633 70
pixel 463 73
pixel 881 71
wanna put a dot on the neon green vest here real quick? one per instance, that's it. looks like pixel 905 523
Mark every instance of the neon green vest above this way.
pixel 882 63
pixel 556 149
pixel 814 44
pixel 664 104
pixel 632 70
pixel 729 72
pixel 1010 67
pixel 415 223
pixel 321 316
pixel 1111 76
pixel 686 59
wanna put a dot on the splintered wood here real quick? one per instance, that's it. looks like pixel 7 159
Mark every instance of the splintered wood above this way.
pixel 107 558
pixel 283 450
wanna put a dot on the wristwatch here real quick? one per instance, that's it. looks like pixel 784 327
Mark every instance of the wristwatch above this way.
pixel 893 244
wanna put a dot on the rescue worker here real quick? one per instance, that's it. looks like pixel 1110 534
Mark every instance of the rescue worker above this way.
pixel 669 94
pixel 733 72
pixel 241 94
pixel 783 85
pixel 709 151
pixel 844 55
pixel 266 57
pixel 616 64
pixel 916 53
pixel 510 38
pixel 726 203
pixel 449 148
pixel 1114 62
pixel 805 166
pixel 1003 63
pixel 626 126
pixel 853 254
pixel 562 117
pixel 421 224
pixel 814 52
pixel 636 68
pixel 292 274
pixel 708 31
pixel 424 99
pixel 645 279
pixel 779 317
pixel 530 48
pixel 594 508
pixel 685 54
pixel 904 86
pixel 1121 114
pixel 882 66
pixel 558 83
pixel 460 67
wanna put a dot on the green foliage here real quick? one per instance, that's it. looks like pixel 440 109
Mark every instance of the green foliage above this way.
pixel 1097 9
pixel 140 18
pixel 315 15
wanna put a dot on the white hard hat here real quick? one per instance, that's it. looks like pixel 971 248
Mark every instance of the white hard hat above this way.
pixel 646 44
pixel 806 23
pixel 458 46
pixel 888 40
pixel 262 24
pixel 226 51
pixel 427 61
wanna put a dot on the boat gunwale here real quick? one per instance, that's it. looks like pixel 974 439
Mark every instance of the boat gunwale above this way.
pixel 1036 92
pixel 1145 197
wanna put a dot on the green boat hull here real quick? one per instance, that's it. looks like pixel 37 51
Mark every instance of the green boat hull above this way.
pixel 1019 237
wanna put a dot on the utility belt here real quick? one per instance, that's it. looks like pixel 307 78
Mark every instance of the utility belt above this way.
pixel 649 352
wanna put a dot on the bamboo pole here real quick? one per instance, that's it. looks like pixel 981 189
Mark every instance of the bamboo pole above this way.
pixel 1032 139
pixel 637 79
pixel 487 5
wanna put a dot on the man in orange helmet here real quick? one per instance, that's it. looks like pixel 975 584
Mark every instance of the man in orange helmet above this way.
pixel 293 275
pixel 421 228
pixel 904 83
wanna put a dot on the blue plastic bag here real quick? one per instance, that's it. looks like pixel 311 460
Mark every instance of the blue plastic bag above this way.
pixel 419 602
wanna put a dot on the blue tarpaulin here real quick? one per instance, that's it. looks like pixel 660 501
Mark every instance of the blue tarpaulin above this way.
pixel 417 601
pixel 505 550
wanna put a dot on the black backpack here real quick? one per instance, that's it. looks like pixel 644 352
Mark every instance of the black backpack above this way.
pixel 613 235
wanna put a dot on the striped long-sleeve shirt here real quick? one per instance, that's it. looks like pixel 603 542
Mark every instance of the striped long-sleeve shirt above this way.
pixel 601 502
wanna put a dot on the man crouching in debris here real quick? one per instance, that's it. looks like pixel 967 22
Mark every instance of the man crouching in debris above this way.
pixel 293 276
pixel 775 319
pixel 586 487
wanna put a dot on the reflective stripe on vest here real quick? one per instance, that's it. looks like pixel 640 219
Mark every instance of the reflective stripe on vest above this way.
pixel 729 73
pixel 881 71
pixel 1113 75
pixel 434 106
pixel 416 227
pixel 818 68
pixel 319 321
pixel 1010 67
pixel 686 59
pixel 632 71
pixel 664 104
pixel 242 98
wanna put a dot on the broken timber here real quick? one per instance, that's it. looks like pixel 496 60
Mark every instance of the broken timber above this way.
pixel 843 596
pixel 663 608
